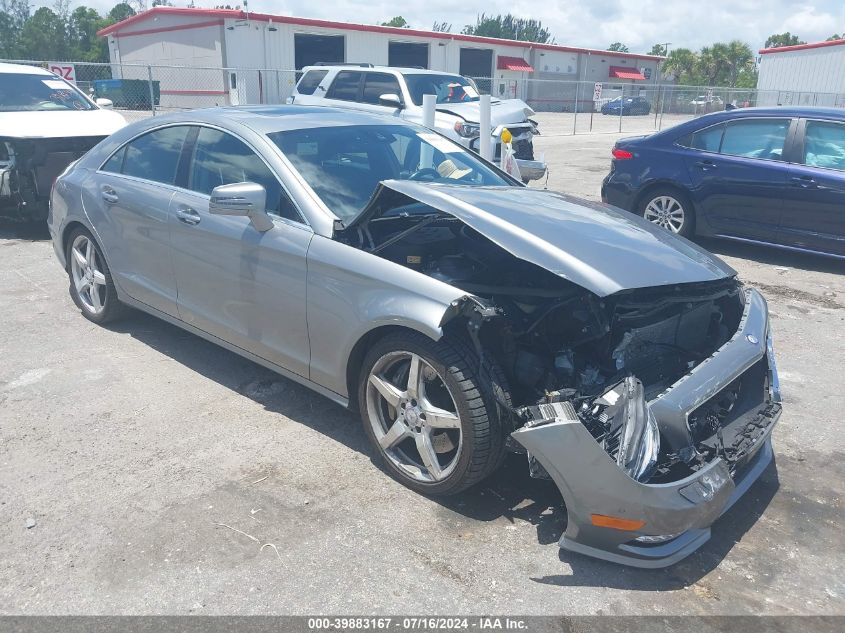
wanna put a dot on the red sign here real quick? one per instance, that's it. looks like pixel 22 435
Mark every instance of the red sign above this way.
pixel 63 70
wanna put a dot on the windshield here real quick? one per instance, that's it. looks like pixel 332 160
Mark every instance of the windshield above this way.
pixel 21 92
pixel 448 88
pixel 344 165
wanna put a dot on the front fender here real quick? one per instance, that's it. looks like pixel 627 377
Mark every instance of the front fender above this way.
pixel 352 293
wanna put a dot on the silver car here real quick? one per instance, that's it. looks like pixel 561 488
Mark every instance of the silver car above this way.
pixel 462 314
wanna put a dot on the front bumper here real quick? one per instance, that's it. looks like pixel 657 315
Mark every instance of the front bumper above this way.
pixel 593 485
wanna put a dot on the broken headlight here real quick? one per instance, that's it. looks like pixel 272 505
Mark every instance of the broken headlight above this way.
pixel 632 424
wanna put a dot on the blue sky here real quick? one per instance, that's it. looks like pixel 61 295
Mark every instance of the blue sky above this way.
pixel 590 23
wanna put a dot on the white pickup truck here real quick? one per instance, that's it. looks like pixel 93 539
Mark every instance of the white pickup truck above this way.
pixel 399 92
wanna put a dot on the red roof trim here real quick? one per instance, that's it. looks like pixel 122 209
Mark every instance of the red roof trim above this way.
pixel 801 47
pixel 175 27
pixel 513 63
pixel 620 72
pixel 347 26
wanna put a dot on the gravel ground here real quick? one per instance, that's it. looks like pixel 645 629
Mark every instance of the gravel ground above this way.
pixel 144 470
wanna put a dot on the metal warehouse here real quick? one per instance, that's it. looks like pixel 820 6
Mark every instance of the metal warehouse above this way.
pixel 209 40
pixel 806 74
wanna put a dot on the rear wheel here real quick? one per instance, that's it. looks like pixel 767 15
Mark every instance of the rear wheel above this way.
pixel 670 210
pixel 425 412
pixel 91 285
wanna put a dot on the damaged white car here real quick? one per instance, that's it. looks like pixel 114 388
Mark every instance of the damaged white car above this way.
pixel 461 313
pixel 45 124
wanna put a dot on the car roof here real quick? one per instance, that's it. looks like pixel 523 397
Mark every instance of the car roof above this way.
pixel 22 69
pixel 787 111
pixel 267 119
pixel 399 69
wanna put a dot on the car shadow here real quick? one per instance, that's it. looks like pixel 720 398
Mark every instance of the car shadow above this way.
pixel 274 392
pixel 773 256
pixel 510 493
pixel 23 231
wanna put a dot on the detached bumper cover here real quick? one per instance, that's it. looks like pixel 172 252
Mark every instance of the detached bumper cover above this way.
pixel 592 484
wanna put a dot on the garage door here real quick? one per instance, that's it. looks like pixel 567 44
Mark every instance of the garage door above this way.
pixel 408 55
pixel 476 62
pixel 311 49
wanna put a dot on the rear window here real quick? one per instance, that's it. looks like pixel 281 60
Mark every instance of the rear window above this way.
pixel 708 140
pixel 153 156
pixel 310 80
pixel 345 86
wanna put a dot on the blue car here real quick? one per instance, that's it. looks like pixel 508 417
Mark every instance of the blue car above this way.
pixel 767 175
pixel 628 105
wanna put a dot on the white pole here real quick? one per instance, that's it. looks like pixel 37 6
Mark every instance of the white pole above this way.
pixel 427 151
pixel 486 148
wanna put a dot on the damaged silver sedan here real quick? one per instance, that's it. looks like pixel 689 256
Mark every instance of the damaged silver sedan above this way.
pixel 461 313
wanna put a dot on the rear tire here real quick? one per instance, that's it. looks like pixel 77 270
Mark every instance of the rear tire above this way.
pixel 670 209
pixel 91 285
pixel 449 402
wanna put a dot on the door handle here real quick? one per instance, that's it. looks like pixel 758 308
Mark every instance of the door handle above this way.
pixel 706 164
pixel 187 215
pixel 805 182
pixel 108 194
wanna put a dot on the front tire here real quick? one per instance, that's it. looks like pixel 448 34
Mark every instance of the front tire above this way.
pixel 428 414
pixel 669 209
pixel 91 285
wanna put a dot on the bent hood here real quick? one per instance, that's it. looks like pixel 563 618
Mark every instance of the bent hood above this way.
pixel 501 112
pixel 601 248
pixel 60 124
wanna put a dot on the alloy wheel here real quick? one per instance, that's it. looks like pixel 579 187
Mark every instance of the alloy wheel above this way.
pixel 414 417
pixel 666 212
pixel 89 281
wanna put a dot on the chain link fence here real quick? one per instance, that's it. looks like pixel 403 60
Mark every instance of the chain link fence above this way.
pixel 572 107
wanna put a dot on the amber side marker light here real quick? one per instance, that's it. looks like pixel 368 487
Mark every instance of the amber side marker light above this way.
pixel 626 525
pixel 621 154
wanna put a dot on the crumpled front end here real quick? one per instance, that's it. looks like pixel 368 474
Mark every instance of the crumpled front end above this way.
pixel 631 502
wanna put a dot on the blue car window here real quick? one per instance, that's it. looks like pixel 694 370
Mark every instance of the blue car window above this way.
pixel 824 145
pixel 708 139
pixel 756 138
pixel 155 155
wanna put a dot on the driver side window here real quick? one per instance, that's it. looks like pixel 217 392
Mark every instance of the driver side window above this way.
pixel 221 159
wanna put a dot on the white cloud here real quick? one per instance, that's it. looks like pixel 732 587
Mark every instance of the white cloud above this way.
pixel 596 23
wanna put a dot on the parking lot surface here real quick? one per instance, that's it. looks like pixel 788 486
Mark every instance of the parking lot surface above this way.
pixel 144 470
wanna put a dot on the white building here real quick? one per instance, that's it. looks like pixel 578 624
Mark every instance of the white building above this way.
pixel 807 74
pixel 207 40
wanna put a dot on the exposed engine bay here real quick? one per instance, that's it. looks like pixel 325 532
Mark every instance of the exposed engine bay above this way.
pixel 570 354
pixel 28 168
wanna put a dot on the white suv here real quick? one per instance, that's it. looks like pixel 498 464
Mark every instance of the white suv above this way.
pixel 399 92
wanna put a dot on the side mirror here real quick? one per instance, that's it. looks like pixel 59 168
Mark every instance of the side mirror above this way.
pixel 108 104
pixel 247 199
pixel 391 100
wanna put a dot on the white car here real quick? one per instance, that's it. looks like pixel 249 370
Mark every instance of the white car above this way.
pixel 46 123
pixel 399 92
pixel 703 100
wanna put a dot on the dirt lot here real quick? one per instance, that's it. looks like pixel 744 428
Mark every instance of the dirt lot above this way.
pixel 165 475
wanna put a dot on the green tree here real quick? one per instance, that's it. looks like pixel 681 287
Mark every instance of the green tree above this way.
pixel 398 22
pixel 658 49
pixel 619 47
pixel 739 58
pixel 776 40
pixel 835 37
pixel 509 27
pixel 44 36
pixel 441 27
pixel 82 27
pixel 682 63
pixel 120 12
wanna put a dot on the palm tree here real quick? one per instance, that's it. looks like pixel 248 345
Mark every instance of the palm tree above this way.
pixel 681 62
pixel 739 57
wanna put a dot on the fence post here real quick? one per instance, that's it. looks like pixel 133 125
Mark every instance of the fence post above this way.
pixel 662 109
pixel 485 143
pixel 152 90
pixel 655 106
pixel 575 118
pixel 621 106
